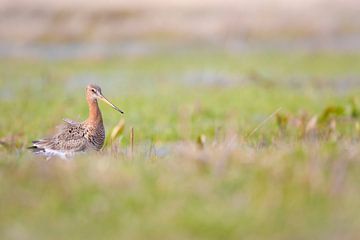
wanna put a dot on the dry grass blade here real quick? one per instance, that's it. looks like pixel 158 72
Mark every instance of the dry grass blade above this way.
pixel 263 122
pixel 282 121
pixel 132 141
pixel 311 125
pixel 201 140
pixel 357 127
pixel 355 109
pixel 117 130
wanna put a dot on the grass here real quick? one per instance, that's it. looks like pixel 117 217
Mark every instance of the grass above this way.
pixel 291 179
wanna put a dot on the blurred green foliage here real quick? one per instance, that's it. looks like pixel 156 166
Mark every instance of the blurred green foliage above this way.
pixel 277 184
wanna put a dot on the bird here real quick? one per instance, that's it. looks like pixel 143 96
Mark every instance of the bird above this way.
pixel 73 137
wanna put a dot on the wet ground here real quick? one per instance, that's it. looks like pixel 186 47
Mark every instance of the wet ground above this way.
pixel 86 50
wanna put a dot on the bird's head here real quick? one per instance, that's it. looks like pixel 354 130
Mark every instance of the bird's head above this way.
pixel 93 93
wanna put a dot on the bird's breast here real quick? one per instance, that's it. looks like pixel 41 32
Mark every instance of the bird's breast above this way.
pixel 95 136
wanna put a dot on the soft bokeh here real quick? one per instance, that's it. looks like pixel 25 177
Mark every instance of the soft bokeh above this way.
pixel 242 119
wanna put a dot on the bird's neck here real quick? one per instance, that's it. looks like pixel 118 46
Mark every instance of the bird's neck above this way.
pixel 94 112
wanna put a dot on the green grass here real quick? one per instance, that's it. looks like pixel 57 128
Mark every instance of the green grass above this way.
pixel 290 181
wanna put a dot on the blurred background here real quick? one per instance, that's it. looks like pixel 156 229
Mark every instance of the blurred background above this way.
pixel 269 53
pixel 246 117
pixel 71 29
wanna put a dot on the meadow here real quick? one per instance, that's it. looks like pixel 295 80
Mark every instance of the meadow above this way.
pixel 227 145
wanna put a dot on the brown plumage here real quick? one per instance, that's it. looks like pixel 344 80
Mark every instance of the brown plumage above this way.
pixel 72 136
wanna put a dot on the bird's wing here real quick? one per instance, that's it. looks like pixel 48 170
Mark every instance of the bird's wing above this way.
pixel 69 137
pixel 69 121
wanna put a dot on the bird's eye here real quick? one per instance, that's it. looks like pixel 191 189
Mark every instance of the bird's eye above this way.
pixel 93 90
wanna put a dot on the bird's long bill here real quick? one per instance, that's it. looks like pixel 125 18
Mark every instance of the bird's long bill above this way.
pixel 112 105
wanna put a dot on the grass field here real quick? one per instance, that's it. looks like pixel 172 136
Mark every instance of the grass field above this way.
pixel 254 145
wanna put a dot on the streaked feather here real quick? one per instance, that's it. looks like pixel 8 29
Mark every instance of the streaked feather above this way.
pixel 71 137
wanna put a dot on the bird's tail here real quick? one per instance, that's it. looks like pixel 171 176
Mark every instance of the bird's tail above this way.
pixel 35 149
